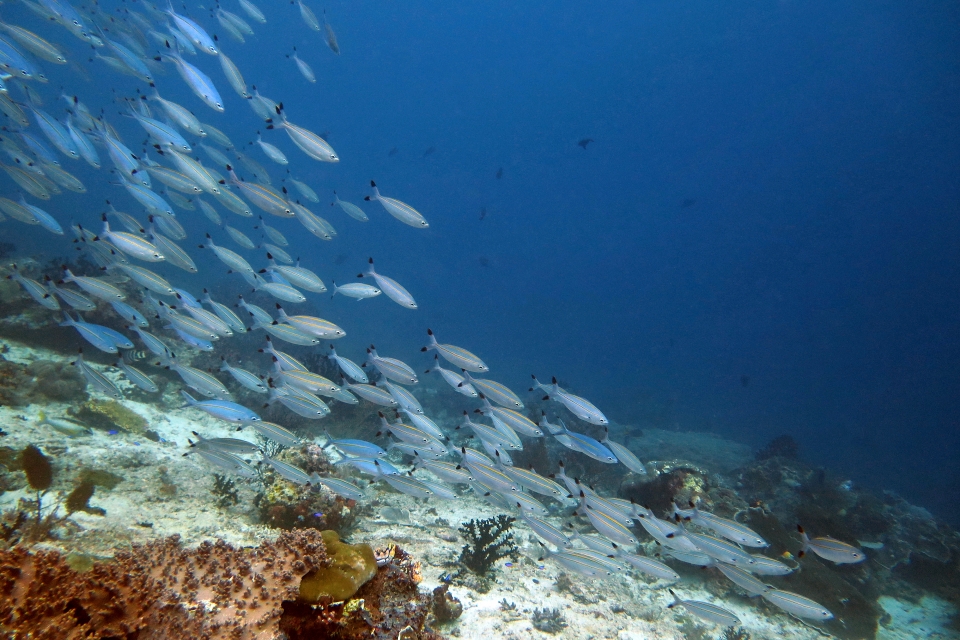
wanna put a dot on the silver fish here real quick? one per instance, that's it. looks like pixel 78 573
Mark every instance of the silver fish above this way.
pixel 797 605
pixel 350 209
pixel 460 358
pixel 830 549
pixel 288 471
pixel 391 368
pixel 275 432
pixel 706 611
pixel 243 377
pixel 137 377
pixel 399 210
pixel 96 379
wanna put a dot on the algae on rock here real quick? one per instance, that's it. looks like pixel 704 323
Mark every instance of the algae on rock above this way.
pixel 110 415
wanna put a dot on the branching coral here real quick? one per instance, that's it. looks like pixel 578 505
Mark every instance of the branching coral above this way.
pixel 488 541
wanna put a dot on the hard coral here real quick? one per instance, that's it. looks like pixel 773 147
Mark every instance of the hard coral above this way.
pixel 388 606
pixel 351 566
pixel 288 506
pixel 681 484
pixel 488 541
pixel 58 381
pixel 109 415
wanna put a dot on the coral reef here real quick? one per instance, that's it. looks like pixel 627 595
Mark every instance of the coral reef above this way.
pixel 285 505
pixel 780 447
pixel 548 620
pixel 445 607
pixel 157 590
pixel 110 415
pixel 682 484
pixel 350 567
pixel 225 491
pixel 57 381
pixel 841 589
pixel 488 540
pixel 288 506
pixel 41 380
pixel 388 606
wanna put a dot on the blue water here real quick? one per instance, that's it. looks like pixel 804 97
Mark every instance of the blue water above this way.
pixel 762 239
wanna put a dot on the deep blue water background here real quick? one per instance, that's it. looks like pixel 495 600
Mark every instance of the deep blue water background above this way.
pixel 816 145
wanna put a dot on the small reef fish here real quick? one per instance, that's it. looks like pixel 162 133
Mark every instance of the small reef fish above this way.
pixel 579 561
pixel 460 358
pixel 706 611
pixel 578 406
pixel 228 461
pixel 624 455
pixel 94 286
pixel 391 287
pixel 585 445
pixel 275 432
pixel 391 368
pixel 249 380
pixel 797 605
pixel 743 579
pixel 36 290
pixel 223 409
pixel 350 209
pixel 399 210
pixel 92 333
pixel 454 379
pixel 288 471
pixel 356 290
pixel 137 377
pixel 67 427
pixel 729 529
pixel 338 486
pixel 348 367
pixel 494 391
pixel 830 549
pixel 96 379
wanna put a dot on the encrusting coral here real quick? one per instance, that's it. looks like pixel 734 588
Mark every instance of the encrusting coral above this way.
pixel 216 591
pixel 110 415
pixel 351 566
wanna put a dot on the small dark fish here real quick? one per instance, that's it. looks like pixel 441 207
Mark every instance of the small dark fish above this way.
pixel 745 381
pixel 340 258
pixel 331 37
pixel 392 152
pixel 687 203
pixel 484 261
pixel 429 151
pixel 499 173
pixel 483 212
pixel 583 143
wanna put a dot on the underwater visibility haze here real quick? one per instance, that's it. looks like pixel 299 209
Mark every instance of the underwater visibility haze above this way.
pixel 277 275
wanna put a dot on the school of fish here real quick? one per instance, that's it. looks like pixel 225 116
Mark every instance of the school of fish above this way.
pixel 191 165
